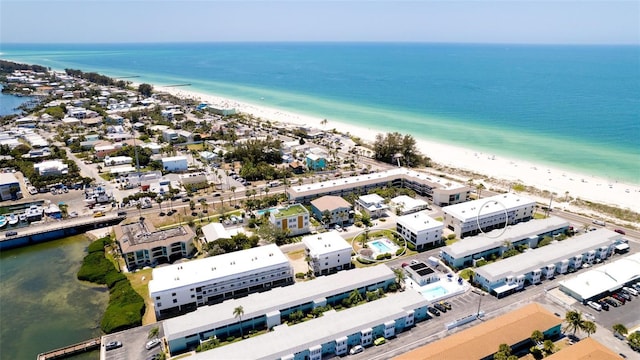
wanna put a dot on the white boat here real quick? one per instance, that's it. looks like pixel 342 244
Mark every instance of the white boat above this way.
pixel 34 213
pixel 13 219
pixel 3 221
pixel 22 217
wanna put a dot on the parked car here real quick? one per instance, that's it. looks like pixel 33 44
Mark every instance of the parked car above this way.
pixel 440 307
pixel 113 345
pixel 620 231
pixel 356 350
pixel 604 305
pixel 10 233
pixel 379 341
pixel 630 290
pixel 98 214
pixel 445 304
pixel 611 301
pixel 152 343
pixel 434 311
pixel 599 222
pixel 594 305
pixel 619 298
pixel 624 295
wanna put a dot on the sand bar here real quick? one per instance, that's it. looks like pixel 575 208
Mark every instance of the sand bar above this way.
pixel 567 185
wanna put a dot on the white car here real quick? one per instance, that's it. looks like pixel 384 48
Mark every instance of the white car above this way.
pixel 152 343
pixel 356 350
pixel 630 290
pixel 594 305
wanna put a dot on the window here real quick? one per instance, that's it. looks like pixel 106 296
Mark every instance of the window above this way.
pixel 173 294
pixel 159 304
pixel 192 296
pixel 157 297
pixel 175 301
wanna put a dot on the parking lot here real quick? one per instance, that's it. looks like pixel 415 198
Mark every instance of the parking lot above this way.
pixel 133 344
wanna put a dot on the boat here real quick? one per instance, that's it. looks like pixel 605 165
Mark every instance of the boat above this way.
pixel 3 221
pixel 34 213
pixel 13 219
pixel 22 217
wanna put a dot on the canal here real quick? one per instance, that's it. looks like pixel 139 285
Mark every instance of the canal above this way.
pixel 42 304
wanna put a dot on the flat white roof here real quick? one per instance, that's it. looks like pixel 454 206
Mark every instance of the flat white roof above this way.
pixel 375 178
pixel 604 278
pixel 550 254
pixel 7 178
pixel 288 340
pixel 371 199
pixel 419 221
pixel 408 202
pixel 325 243
pixel 475 244
pixel 493 205
pixel 215 231
pixel 215 267
pixel 175 158
pixel 258 304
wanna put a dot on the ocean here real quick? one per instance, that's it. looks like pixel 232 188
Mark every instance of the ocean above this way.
pixel 570 107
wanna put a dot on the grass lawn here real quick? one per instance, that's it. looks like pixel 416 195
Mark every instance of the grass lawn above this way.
pixel 197 147
pixel 295 255
pixel 142 287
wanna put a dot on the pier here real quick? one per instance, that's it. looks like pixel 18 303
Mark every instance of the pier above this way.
pixel 52 230
pixel 70 350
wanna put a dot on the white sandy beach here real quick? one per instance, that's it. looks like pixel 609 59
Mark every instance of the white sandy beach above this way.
pixel 554 180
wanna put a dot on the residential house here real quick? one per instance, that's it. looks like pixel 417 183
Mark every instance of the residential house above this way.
pixel 327 252
pixel 372 205
pixel 340 211
pixel 294 219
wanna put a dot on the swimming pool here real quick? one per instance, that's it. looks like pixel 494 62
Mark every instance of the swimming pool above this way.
pixel 264 211
pixel 434 292
pixel 381 247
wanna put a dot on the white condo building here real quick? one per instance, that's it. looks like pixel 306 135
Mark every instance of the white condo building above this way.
pixel 420 229
pixel 486 214
pixel 503 277
pixel 328 252
pixel 183 287
pixel 175 163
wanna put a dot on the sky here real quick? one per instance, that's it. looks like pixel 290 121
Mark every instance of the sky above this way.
pixel 136 21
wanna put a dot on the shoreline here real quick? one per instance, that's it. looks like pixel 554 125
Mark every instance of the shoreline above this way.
pixel 566 184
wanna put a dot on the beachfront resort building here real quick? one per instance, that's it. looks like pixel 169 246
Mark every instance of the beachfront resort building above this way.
pixel 482 341
pixel 404 205
pixel 466 252
pixel 141 244
pixel 372 205
pixel 9 187
pixel 180 288
pixel 440 191
pixel 420 230
pixel 604 280
pixel 327 252
pixel 293 219
pixel 269 309
pixel 486 214
pixel 175 163
pixel 339 210
pixel 506 276
pixel 332 334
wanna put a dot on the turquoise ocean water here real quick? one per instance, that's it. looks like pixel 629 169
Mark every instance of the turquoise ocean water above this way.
pixel 572 107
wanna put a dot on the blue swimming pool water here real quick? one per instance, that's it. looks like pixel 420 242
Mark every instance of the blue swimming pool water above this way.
pixel 380 247
pixel 434 293
pixel 263 211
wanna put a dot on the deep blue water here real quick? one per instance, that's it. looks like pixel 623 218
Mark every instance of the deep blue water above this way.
pixel 9 103
pixel 573 107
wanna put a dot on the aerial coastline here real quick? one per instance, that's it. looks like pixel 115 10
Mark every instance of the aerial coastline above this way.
pixel 564 184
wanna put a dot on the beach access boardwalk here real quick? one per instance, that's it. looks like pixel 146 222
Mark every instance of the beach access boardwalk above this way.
pixel 55 229
pixel 70 350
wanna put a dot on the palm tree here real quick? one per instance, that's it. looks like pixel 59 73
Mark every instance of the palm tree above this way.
pixel 574 321
pixel 153 332
pixel 238 312
pixel 479 188
pixel 548 346
pixel 589 327
pixel 159 200
pixel 233 192
pixel 620 329
pixel 537 336
pixel 399 275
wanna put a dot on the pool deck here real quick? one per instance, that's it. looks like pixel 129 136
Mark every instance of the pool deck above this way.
pixel 449 284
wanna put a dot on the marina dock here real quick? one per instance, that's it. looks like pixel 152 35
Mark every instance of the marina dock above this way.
pixel 70 350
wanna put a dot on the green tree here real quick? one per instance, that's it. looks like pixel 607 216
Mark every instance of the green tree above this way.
pixel 620 329
pixel 238 312
pixel 399 272
pixel 537 336
pixel 574 321
pixel 634 340
pixel 503 353
pixel 153 332
pixel 589 327
pixel 145 89
pixel 549 346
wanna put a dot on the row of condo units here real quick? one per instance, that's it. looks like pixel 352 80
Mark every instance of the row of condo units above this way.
pixel 506 276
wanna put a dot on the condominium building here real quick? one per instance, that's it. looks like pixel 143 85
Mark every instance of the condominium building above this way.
pixel 51 167
pixel 328 252
pixel 421 230
pixel 271 308
pixel 439 190
pixel 141 244
pixel 175 163
pixel 506 276
pixel 486 214
pixel 466 252
pixel 331 334
pixel 9 187
pixel 372 205
pixel 340 210
pixel 404 205
pixel 183 287
pixel 294 219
